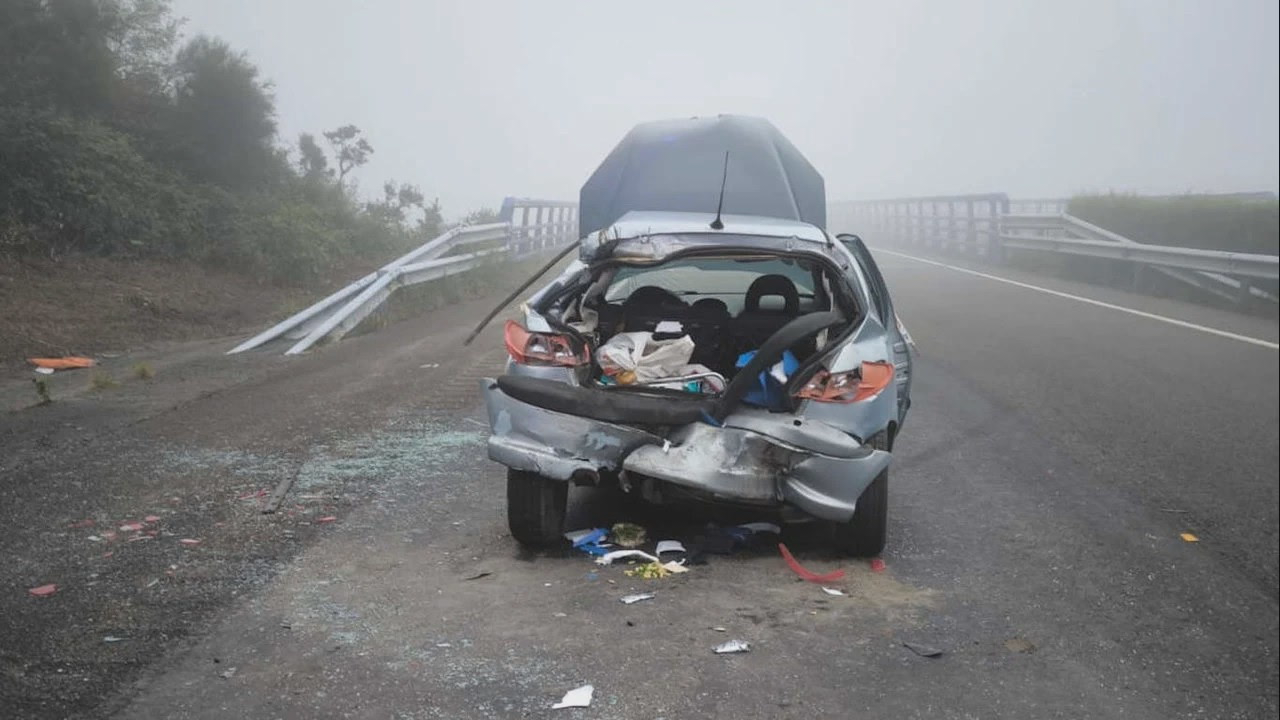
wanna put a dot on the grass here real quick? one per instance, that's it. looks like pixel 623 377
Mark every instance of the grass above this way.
pixel 1208 222
pixel 103 380
pixel 143 371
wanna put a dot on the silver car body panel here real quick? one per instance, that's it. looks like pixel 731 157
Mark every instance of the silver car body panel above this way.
pixel 757 457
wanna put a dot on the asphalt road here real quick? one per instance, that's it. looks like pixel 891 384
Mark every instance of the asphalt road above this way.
pixel 1055 452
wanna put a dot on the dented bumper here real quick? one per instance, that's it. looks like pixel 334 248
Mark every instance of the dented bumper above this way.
pixel 757 457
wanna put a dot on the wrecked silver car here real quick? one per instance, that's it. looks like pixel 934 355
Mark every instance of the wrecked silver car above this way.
pixel 704 356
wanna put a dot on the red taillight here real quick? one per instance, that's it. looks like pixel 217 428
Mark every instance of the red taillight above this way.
pixel 848 387
pixel 530 348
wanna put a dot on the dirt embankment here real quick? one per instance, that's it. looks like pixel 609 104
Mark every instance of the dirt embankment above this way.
pixel 95 306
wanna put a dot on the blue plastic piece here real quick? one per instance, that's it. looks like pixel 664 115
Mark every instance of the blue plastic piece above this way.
pixel 767 391
pixel 591 538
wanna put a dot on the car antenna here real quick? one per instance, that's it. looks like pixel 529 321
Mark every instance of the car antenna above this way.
pixel 718 224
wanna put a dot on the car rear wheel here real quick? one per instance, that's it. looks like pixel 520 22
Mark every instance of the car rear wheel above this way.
pixel 535 507
pixel 864 535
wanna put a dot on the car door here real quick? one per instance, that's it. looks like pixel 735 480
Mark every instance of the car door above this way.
pixel 884 308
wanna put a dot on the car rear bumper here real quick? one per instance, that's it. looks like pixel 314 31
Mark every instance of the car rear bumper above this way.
pixel 757 457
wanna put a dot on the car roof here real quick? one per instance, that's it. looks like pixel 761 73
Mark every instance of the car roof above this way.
pixel 638 223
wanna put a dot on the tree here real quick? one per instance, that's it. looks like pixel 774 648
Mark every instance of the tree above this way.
pixel 483 216
pixel 141 34
pixel 312 161
pixel 225 115
pixel 351 150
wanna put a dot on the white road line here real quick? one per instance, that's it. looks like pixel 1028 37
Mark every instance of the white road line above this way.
pixel 1090 301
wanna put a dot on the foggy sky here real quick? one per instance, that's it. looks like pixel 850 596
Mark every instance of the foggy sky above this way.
pixel 475 100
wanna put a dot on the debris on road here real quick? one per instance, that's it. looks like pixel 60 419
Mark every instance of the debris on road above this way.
pixel 1019 645
pixel 327 519
pixel 44 590
pixel 189 541
pixel 589 541
pixel 633 599
pixel 69 362
pixel 762 527
pixel 799 569
pixel 666 546
pixel 151 519
pixel 112 639
pixel 44 370
pixel 720 629
pixel 648 571
pixel 609 557
pixel 877 565
pixel 1188 537
pixel 227 674
pixel 81 524
pixel 833 591
pixel 576 698
pixel 629 535
pixel 253 494
pixel 277 495
pixel 733 646
pixel 477 576
pixel 130 527
pixel 922 650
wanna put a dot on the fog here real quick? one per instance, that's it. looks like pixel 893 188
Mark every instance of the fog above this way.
pixel 476 100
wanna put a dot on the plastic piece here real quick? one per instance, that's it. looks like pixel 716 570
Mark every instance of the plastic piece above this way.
pixel 767 390
pixel 877 565
pixel 638 597
pixel 576 698
pixel 733 646
pixel 69 362
pixel 44 590
pixel 637 357
pixel 665 546
pixel 609 557
pixel 806 574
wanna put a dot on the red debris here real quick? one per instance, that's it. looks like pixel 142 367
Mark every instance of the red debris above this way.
pixel 255 494
pixel 109 553
pixel 153 533
pixel 86 523
pixel 44 590
pixel 130 526
pixel 151 519
pixel 326 519
pixel 877 565
pixel 805 574
pixel 189 541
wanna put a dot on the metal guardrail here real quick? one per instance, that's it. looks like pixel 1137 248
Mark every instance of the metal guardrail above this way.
pixel 528 227
pixel 987 226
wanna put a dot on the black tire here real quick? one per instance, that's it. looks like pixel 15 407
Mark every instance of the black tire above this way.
pixel 535 507
pixel 864 535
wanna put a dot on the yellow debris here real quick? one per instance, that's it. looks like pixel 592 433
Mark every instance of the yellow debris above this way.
pixel 1189 537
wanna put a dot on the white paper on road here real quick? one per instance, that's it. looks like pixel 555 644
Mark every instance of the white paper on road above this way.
pixel 577 697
